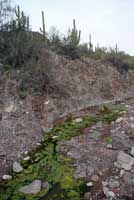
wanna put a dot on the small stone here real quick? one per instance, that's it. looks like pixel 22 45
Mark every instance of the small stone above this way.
pixel 133 181
pixel 127 178
pixel 7 177
pixel 47 102
pixel 132 151
pixel 26 152
pixel 78 120
pixel 120 119
pixel 132 125
pixel 87 195
pixel 32 188
pixel 105 190
pixel 54 137
pixel 109 146
pixel 123 112
pixel 26 158
pixel 89 184
pixel 17 167
pixel 122 172
pixel 114 184
pixel 95 178
pixel 104 183
pixel 111 194
pixel 45 185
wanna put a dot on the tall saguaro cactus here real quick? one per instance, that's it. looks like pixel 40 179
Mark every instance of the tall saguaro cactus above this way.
pixel 22 20
pixel 74 37
pixel 43 29
pixel 116 49
pixel 90 43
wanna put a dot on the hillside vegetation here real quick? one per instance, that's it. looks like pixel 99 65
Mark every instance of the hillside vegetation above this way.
pixel 19 44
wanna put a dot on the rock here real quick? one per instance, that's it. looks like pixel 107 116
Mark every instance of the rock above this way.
pixel 7 177
pixel 133 181
pixel 26 158
pixel 105 190
pixel 132 125
pixel 124 161
pixel 78 120
pixel 120 119
pixel 45 185
pixel 122 172
pixel 87 195
pixel 17 167
pixel 104 183
pixel 32 188
pixel 26 152
pixel 111 195
pixel 94 178
pixel 108 194
pixel 109 146
pixel 132 151
pixel 38 144
pixel 54 137
pixel 114 184
pixel 47 102
pixel 127 178
pixel 89 184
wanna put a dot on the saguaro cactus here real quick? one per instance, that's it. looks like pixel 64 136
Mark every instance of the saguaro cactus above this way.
pixel 90 43
pixel 74 36
pixel 22 23
pixel 43 29
pixel 116 49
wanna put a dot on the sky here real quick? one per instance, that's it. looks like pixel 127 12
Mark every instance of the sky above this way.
pixel 108 21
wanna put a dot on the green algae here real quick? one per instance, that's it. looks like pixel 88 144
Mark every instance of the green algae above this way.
pixel 48 164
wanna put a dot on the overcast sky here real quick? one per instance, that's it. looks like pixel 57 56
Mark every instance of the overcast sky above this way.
pixel 109 21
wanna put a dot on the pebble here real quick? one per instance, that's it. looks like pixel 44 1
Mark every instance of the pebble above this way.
pixel 87 195
pixel 105 190
pixel 111 194
pixel 26 158
pixel 109 146
pixel 78 120
pixel 127 178
pixel 7 177
pixel 120 119
pixel 132 125
pixel 114 184
pixel 95 178
pixel 122 172
pixel 89 184
pixel 17 167
pixel 104 183
pixel 54 137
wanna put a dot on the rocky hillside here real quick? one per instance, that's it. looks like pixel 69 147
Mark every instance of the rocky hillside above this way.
pixel 41 94
pixel 62 86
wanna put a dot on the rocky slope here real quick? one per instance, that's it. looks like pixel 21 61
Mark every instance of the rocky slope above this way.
pixel 70 86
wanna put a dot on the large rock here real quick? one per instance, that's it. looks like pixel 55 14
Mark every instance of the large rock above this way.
pixel 17 167
pixel 124 161
pixel 32 188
